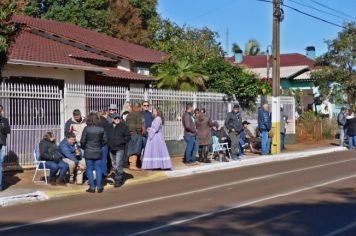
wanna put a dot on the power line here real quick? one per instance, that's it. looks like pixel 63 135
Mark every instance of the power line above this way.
pixel 307 14
pixel 330 8
pixel 319 10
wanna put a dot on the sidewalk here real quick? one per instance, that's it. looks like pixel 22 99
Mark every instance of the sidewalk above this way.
pixel 20 187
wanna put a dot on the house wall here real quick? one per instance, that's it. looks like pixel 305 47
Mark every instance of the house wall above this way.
pixel 124 64
pixel 67 75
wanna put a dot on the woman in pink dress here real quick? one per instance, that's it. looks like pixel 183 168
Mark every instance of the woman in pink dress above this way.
pixel 156 153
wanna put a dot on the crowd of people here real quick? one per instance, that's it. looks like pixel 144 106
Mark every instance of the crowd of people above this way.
pixel 106 142
pixel 346 120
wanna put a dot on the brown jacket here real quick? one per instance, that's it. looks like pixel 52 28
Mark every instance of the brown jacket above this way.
pixel 188 124
pixel 204 125
pixel 134 121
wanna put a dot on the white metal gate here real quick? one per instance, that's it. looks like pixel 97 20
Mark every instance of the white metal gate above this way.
pixel 32 110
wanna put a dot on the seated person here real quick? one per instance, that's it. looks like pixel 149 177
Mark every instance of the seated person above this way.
pixel 72 156
pixel 221 134
pixel 48 151
pixel 246 138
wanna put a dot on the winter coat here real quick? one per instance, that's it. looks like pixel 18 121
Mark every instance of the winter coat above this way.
pixel 233 121
pixel 68 151
pixel 264 120
pixel 351 126
pixel 134 122
pixel 189 124
pixel 4 130
pixel 118 136
pixel 148 118
pixel 93 139
pixel 341 120
pixel 49 151
pixel 73 126
pixel 204 125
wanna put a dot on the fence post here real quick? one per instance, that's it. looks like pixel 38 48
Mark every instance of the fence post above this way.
pixel 63 107
pixel 127 95
pixel 195 100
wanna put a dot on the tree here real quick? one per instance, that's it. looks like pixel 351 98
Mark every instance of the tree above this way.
pixel 234 81
pixel 252 48
pixel 8 29
pixel 336 69
pixel 180 75
pixel 235 48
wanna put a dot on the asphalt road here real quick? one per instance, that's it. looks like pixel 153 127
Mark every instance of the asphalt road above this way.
pixel 310 196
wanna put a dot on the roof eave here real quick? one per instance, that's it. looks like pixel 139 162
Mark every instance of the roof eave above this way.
pixel 57 65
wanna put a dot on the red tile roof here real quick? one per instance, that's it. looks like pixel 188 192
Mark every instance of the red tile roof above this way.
pixel 31 47
pixel 117 73
pixel 260 61
pixel 91 56
pixel 94 39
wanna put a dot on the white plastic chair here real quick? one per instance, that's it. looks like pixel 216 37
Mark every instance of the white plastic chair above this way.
pixel 220 147
pixel 40 165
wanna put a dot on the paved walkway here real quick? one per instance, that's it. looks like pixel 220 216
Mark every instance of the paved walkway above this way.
pixel 20 185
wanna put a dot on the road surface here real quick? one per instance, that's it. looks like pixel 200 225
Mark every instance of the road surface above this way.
pixel 310 196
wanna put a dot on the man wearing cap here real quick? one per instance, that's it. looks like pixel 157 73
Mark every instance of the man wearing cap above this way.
pixel 75 125
pixel 264 126
pixel 112 111
pixel 233 124
pixel 245 137
pixel 118 136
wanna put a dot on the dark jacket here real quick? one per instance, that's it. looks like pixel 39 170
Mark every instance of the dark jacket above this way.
pixel 93 139
pixel 351 126
pixel 4 130
pixel 233 121
pixel 49 151
pixel 134 122
pixel 189 124
pixel 264 120
pixel 68 151
pixel 341 120
pixel 148 118
pixel 103 122
pixel 118 136
pixel 204 125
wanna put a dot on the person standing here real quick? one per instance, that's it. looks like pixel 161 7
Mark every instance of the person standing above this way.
pixel 5 130
pixel 204 126
pixel 103 122
pixel 118 136
pixel 156 154
pixel 134 121
pixel 112 111
pixel 341 121
pixel 264 126
pixel 73 157
pixel 233 123
pixel 75 125
pixel 148 119
pixel 284 122
pixel 48 152
pixel 92 141
pixel 190 135
pixel 351 129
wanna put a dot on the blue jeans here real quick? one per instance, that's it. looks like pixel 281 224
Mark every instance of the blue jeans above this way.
pixel 241 143
pixel 265 142
pixel 117 160
pixel 191 149
pixel 2 155
pixel 54 167
pixel 91 166
pixel 342 137
pixel 104 160
pixel 352 142
pixel 283 140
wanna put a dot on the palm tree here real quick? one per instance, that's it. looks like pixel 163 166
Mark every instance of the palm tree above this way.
pixel 252 48
pixel 235 48
pixel 181 75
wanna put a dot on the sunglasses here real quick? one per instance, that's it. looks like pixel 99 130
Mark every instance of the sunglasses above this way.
pixel 112 109
pixel 146 105
pixel 117 118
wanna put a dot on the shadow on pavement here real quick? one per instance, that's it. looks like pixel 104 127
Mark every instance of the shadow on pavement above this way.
pixel 314 219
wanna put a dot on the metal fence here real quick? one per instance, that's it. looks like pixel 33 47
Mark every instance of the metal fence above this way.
pixel 34 109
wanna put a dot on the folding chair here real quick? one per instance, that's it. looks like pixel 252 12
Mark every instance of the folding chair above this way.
pixel 220 147
pixel 40 165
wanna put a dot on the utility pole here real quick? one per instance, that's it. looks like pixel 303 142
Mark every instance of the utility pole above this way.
pixel 276 114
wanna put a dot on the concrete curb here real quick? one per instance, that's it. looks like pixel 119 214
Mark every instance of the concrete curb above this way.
pixel 252 161
pixel 22 198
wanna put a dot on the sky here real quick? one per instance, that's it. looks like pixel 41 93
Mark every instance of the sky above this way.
pixel 252 19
